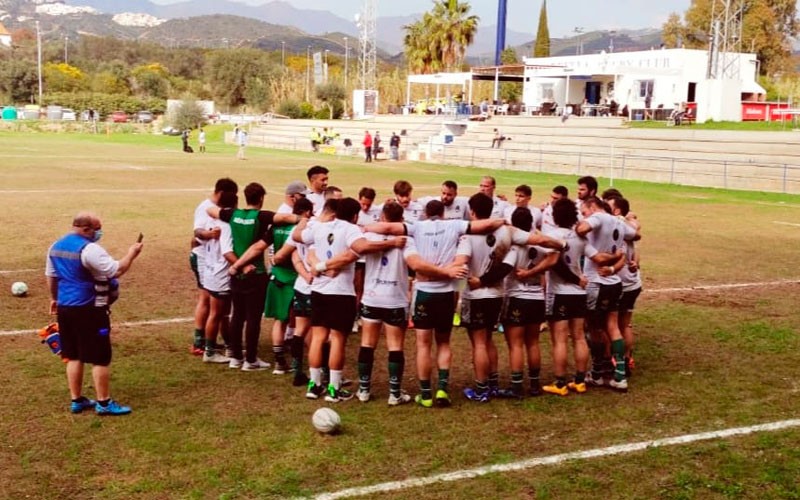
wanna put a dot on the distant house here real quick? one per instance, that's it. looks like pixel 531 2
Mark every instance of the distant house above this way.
pixel 5 36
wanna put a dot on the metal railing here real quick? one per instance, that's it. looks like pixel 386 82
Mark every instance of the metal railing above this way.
pixel 718 173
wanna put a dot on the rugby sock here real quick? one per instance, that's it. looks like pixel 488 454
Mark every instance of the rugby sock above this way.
pixel 425 389
pixel 316 375
pixel 280 357
pixel 103 402
pixel 198 337
pixel 597 350
pixel 326 352
pixel 618 351
pixel 516 382
pixel 397 362
pixel 296 346
pixel 580 377
pixel 533 377
pixel 81 399
pixel 366 358
pixel 444 378
pixel 336 379
pixel 481 387
pixel 494 380
pixel 210 346
pixel 561 382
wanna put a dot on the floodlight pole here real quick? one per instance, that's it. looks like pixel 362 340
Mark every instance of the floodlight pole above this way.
pixel 308 74
pixel 39 59
pixel 346 61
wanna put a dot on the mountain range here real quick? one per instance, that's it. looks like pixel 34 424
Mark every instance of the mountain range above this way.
pixel 272 25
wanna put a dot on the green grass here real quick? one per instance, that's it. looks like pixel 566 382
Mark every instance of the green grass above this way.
pixel 778 126
pixel 706 360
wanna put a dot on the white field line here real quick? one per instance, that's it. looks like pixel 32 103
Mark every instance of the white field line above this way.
pixel 103 190
pixel 785 223
pixel 556 459
pixel 16 271
pixel 4 333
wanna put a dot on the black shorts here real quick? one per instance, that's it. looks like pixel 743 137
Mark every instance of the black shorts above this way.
pixel 220 295
pixel 565 307
pixel 628 300
pixel 395 316
pixel 520 312
pixel 193 266
pixel 479 314
pixel 603 299
pixel 301 305
pixel 85 334
pixel 336 312
pixel 434 311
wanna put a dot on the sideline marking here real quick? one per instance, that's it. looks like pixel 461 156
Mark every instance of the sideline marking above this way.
pixel 4 333
pixel 101 190
pixel 556 459
pixel 785 223
pixel 15 271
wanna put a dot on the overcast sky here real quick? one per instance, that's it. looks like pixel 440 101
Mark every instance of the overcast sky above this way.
pixel 564 15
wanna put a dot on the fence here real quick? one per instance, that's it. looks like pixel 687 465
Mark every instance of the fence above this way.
pixel 718 173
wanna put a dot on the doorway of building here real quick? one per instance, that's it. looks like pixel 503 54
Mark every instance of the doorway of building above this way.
pixel 593 92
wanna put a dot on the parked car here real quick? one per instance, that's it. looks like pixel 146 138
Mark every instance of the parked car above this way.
pixel 119 117
pixel 68 115
pixel 170 131
pixel 144 117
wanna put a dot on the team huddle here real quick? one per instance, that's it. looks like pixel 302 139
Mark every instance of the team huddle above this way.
pixel 322 264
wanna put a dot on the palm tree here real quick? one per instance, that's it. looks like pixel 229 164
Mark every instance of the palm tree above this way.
pixel 455 30
pixel 439 40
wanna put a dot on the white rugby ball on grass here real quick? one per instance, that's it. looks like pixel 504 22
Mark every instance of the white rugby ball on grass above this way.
pixel 19 289
pixel 326 421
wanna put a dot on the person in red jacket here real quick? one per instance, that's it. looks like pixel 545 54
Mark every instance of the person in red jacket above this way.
pixel 367 147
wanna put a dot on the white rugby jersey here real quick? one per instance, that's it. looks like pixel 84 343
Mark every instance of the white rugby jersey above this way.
pixel 201 221
pixel 215 266
pixel 386 277
pixel 317 200
pixel 535 213
pixel 548 224
pixel 577 248
pixel 436 242
pixel 330 239
pixel 371 216
pixel 525 257
pixel 413 212
pixel 499 208
pixel 607 236
pixel 630 280
pixel 300 284
pixel 484 252
pixel 458 210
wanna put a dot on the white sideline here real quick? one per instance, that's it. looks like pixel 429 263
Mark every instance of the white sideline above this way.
pixel 15 271
pixel 4 333
pixel 555 460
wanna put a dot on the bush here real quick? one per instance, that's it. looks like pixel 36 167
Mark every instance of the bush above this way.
pixel 290 109
pixel 187 115
pixel 306 110
pixel 104 104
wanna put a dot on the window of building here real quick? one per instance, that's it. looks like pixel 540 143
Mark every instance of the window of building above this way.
pixel 646 88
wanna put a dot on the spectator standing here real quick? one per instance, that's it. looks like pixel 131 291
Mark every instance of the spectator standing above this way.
pixel 242 142
pixel 201 140
pixel 376 145
pixel 81 277
pixel 367 142
pixel 394 147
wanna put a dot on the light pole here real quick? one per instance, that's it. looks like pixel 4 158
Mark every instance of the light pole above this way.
pixel 39 59
pixel 308 73
pixel 325 69
pixel 283 54
pixel 579 48
pixel 346 61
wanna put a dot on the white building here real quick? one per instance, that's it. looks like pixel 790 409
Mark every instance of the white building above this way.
pixel 668 77
pixel 5 36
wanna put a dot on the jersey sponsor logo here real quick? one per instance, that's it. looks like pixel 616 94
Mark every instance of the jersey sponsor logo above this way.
pixel 491 240
pixel 244 222
pixel 616 235
pixel 532 253
pixel 384 261
pixel 330 238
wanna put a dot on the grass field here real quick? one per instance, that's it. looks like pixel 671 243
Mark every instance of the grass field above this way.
pixel 706 359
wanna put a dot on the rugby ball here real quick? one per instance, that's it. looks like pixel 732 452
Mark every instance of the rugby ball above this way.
pixel 326 421
pixel 19 289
